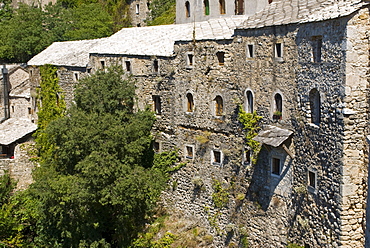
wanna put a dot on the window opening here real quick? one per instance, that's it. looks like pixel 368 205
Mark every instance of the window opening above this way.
pixel 312 179
pixel 102 64
pixel 275 166
pixel 216 157
pixel 221 58
pixel 249 102
pixel 219 106
pixel 7 151
pixel 315 106
pixel 278 112
pixel 156 146
pixel 189 152
pixel 250 51
pixel 206 7
pixel 13 109
pixel 137 9
pixel 157 105
pixel 155 66
pixel 190 59
pixel 76 76
pixel 128 66
pixel 190 102
pixel 270 1
pixel 247 156
pixel 278 50
pixel 239 7
pixel 316 48
pixel 187 9
pixel 29 111
pixel 222 7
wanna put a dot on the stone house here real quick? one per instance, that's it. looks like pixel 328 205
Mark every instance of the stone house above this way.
pixel 303 67
pixel 17 124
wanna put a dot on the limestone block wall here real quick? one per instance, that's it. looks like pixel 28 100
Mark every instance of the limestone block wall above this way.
pixel 263 214
pixel 356 119
pixel 20 168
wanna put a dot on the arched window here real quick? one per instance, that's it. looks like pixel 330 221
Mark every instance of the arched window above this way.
pixel 249 102
pixel 278 110
pixel 222 7
pixel 206 7
pixel 187 9
pixel 219 105
pixel 190 102
pixel 315 105
pixel 239 7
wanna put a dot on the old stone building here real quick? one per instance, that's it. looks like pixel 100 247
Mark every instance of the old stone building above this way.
pixel 302 66
pixel 17 123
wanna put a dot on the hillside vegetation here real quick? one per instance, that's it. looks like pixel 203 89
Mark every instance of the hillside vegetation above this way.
pixel 28 30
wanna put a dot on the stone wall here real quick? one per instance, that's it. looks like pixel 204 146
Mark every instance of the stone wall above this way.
pixel 320 71
pixel 20 168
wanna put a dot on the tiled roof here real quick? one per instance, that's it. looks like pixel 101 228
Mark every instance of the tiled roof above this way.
pixel 67 53
pixel 14 129
pixel 301 11
pixel 273 136
pixel 159 40
pixel 154 40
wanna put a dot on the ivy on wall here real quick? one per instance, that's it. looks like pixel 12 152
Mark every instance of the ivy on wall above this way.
pixel 51 105
pixel 251 127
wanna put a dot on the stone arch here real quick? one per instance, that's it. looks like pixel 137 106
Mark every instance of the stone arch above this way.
pixel 249 101
pixel 219 105
pixel 189 102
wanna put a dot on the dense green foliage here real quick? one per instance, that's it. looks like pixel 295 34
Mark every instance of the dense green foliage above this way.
pixel 28 30
pixel 98 182
pixel 251 127
pixel 162 12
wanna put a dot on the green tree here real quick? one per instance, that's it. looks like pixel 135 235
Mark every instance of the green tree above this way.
pixel 162 12
pixel 98 182
pixel 23 35
pixel 88 21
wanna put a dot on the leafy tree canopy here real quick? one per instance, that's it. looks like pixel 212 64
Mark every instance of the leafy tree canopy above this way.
pixel 99 181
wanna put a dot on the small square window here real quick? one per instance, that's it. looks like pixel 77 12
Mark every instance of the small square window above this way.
pixel 278 50
pixel 250 51
pixel 189 152
pixel 156 146
pixel 221 58
pixel 216 157
pixel 275 166
pixel 128 66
